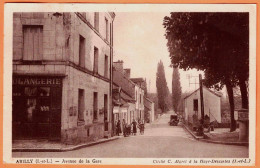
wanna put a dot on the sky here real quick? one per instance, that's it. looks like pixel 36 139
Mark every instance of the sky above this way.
pixel 140 42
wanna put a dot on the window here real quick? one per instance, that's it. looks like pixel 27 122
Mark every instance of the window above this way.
pixel 195 105
pixel 81 105
pixel 96 21
pixel 95 68
pixel 105 108
pixel 107 29
pixel 95 106
pixel 81 51
pixel 106 66
pixel 32 40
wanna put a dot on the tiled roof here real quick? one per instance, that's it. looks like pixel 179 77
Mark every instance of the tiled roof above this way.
pixel 121 81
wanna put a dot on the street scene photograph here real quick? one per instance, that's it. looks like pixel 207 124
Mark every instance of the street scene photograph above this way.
pixel 98 84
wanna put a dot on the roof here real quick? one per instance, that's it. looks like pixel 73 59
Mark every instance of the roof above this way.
pixel 120 80
pixel 137 80
pixel 127 98
pixel 147 103
pixel 204 88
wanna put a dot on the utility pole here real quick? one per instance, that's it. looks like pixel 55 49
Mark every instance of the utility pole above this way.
pixel 201 99
pixel 191 76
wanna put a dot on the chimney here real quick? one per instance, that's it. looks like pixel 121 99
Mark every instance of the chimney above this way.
pixel 119 66
pixel 127 73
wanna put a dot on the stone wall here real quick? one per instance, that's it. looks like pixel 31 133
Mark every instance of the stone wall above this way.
pixel 61 32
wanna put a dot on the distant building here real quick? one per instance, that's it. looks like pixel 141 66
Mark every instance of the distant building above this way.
pixel 139 96
pixel 212 106
pixel 123 97
pixel 62 86
pixel 132 95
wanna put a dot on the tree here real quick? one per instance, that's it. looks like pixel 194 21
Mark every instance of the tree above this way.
pixel 216 43
pixel 161 85
pixel 176 89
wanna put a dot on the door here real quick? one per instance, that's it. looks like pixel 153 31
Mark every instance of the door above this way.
pixel 105 113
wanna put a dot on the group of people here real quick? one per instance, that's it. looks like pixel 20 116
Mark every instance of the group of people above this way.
pixel 129 128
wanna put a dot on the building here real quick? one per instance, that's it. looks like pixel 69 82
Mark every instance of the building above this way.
pixel 123 98
pixel 148 110
pixel 131 95
pixel 139 96
pixel 62 80
pixel 212 106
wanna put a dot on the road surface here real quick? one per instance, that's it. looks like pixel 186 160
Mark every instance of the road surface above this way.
pixel 159 141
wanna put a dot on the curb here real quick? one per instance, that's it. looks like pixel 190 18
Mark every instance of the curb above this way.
pixel 62 149
pixel 194 136
pixel 199 138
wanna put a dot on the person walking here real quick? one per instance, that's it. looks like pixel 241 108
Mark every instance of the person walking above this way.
pixel 134 123
pixel 118 126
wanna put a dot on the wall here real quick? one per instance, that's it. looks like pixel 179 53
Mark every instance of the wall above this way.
pixel 61 32
pixel 211 105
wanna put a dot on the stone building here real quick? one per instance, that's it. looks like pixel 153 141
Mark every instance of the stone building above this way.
pixel 139 96
pixel 212 106
pixel 131 95
pixel 121 81
pixel 62 87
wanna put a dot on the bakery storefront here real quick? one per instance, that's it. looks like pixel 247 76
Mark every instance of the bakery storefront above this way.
pixel 36 103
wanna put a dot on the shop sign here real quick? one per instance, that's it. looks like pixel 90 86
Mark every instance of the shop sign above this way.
pixel 241 115
pixel 36 81
pixel 116 110
pixel 124 110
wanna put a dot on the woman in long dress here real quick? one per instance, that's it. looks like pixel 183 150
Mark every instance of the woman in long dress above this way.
pixel 118 128
pixel 134 123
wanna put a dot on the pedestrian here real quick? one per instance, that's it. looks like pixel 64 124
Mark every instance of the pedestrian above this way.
pixel 134 123
pixel 141 127
pixel 118 125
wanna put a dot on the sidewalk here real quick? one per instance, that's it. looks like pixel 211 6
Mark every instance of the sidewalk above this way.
pixel 219 136
pixel 50 146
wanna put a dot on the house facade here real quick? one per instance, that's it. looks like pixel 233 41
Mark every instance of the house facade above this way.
pixel 62 80
pixel 148 110
pixel 139 97
pixel 131 95
pixel 212 106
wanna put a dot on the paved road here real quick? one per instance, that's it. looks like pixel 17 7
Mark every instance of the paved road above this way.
pixel 159 140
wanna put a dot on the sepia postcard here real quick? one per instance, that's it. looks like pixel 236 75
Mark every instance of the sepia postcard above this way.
pixel 129 84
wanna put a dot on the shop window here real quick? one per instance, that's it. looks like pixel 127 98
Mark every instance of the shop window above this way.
pixel 95 105
pixel 30 109
pixel 106 66
pixel 96 21
pixel 44 91
pixel 33 42
pixel 81 105
pixel 30 91
pixel 81 51
pixel 95 67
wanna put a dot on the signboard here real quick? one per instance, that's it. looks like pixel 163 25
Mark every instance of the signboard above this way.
pixel 33 80
pixel 115 110
pixel 241 115
pixel 124 110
